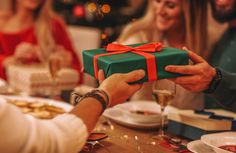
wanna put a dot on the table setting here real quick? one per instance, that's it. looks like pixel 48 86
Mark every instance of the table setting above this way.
pixel 133 126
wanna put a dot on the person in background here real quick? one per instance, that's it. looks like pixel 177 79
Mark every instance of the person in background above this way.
pixel 204 77
pixel 30 32
pixel 223 53
pixel 175 23
pixel 66 133
pixel 224 11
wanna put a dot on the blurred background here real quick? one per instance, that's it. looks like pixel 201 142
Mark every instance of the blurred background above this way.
pixel 105 18
pixel 98 22
pixel 106 15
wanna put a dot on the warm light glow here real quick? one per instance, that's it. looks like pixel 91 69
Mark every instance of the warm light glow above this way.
pixel 92 7
pixel 106 8
pixel 78 11
pixel 103 36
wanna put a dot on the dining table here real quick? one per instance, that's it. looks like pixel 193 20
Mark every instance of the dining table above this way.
pixel 122 139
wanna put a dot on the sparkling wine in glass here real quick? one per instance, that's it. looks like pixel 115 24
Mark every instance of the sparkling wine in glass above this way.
pixel 54 67
pixel 163 92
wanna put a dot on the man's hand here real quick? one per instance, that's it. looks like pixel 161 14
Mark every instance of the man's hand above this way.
pixel 199 75
pixel 117 85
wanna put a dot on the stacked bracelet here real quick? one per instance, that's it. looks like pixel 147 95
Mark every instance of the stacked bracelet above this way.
pixel 96 94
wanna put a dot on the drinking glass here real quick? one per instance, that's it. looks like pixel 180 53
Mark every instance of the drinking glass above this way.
pixel 54 65
pixel 163 92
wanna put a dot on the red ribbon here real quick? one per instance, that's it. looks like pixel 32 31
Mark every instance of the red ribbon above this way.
pixel 143 50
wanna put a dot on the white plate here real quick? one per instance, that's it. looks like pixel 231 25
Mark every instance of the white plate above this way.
pixel 219 139
pixel 199 147
pixel 67 107
pixel 121 114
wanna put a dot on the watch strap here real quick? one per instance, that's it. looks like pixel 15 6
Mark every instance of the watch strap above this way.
pixel 215 82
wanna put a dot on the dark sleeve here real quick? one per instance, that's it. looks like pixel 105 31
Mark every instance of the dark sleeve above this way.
pixel 225 93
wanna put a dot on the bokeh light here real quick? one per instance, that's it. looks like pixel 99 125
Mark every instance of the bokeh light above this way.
pixel 103 36
pixel 106 8
pixel 78 11
pixel 92 7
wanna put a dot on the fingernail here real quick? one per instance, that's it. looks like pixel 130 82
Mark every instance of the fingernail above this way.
pixel 167 68
pixel 141 72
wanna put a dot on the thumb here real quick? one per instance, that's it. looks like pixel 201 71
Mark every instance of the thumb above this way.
pixel 101 76
pixel 134 75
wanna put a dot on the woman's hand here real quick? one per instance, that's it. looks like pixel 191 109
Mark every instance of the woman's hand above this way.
pixel 63 56
pixel 27 53
pixel 117 85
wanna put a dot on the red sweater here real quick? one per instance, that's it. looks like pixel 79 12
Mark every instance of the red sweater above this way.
pixel 9 41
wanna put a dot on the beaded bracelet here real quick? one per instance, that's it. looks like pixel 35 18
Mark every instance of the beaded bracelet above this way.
pixel 96 94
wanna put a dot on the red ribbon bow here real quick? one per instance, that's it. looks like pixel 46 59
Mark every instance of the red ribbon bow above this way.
pixel 143 50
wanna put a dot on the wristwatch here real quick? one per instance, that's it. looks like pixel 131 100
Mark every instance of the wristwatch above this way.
pixel 215 82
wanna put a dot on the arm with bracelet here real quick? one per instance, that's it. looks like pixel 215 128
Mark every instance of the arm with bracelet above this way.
pixel 67 132
pixel 112 91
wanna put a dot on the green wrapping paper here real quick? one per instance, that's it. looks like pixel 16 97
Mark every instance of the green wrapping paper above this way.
pixel 127 62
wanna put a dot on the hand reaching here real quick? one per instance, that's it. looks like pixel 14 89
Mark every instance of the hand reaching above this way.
pixel 198 76
pixel 27 53
pixel 62 55
pixel 117 85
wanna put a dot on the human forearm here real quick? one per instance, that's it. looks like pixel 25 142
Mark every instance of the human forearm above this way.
pixel 112 91
pixel 89 110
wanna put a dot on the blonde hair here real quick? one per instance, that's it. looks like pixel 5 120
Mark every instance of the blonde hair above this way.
pixel 43 26
pixel 195 17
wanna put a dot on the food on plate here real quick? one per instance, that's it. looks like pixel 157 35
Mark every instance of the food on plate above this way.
pixel 231 148
pixel 38 109
pixel 144 112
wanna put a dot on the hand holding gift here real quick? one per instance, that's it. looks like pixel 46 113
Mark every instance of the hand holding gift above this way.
pixel 62 55
pixel 116 84
pixel 27 53
pixel 199 76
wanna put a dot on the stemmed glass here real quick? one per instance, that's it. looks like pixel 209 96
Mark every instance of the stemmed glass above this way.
pixel 163 92
pixel 54 65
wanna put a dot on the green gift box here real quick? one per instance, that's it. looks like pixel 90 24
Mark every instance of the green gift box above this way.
pixel 129 61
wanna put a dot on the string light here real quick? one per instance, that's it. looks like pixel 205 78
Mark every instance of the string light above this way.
pixel 106 8
pixel 92 7
pixel 98 9
pixel 103 36
pixel 78 11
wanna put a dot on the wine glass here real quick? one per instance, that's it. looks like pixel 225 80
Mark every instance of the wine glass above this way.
pixel 54 65
pixel 163 92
